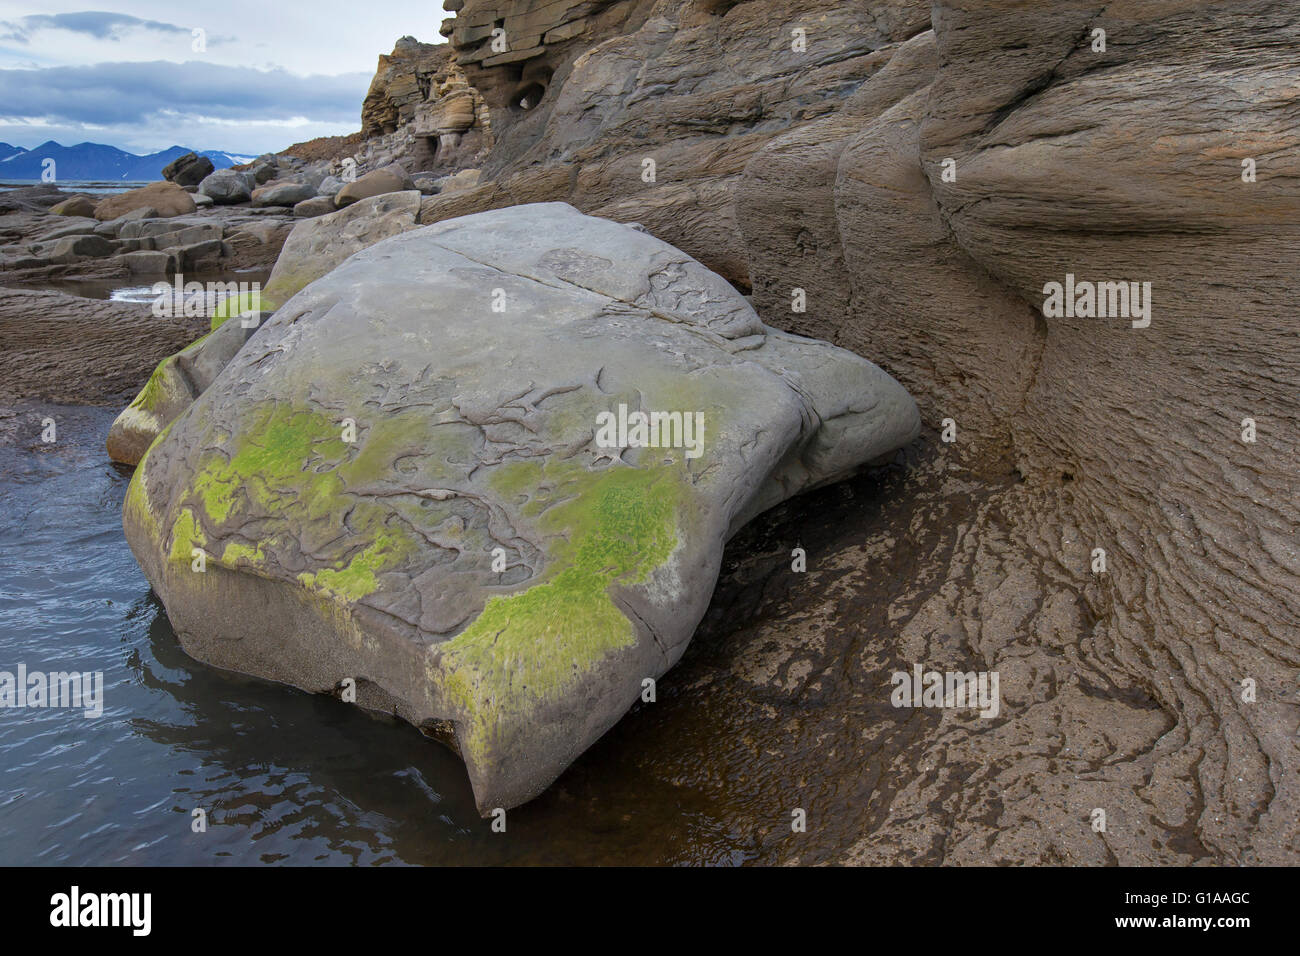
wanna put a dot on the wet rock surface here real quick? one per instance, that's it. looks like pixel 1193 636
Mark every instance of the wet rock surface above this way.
pixel 40 245
pixel 65 348
pixel 475 557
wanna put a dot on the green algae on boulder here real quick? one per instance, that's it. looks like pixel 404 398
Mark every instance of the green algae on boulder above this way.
pixel 174 384
pixel 399 481
pixel 313 248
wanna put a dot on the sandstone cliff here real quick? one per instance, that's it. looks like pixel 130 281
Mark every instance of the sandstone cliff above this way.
pixel 421 108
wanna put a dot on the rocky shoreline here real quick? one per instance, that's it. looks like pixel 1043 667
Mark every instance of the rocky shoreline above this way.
pixel 1087 513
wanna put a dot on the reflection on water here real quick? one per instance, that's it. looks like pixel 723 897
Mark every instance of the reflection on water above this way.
pixel 284 776
pixel 120 289
pixel 90 186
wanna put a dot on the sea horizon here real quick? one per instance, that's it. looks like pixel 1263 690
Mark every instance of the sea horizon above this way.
pixel 94 186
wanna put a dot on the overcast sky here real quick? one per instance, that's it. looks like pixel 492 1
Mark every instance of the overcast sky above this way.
pixel 267 73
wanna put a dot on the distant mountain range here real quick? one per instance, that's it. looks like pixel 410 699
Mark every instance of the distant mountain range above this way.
pixel 97 162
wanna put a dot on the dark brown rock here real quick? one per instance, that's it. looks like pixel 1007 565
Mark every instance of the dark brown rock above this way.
pixel 188 170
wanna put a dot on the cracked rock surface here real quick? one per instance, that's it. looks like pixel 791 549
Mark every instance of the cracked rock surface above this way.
pixel 398 482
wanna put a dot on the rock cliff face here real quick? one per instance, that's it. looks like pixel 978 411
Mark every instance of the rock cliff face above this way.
pixel 421 108
pixel 922 172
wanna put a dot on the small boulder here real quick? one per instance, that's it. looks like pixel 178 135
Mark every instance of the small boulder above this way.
pixel 329 186
pixel 265 232
pixel 82 206
pixel 188 170
pixel 73 248
pixel 282 193
pixel 264 171
pixel 171 388
pixel 226 187
pixel 189 256
pixel 148 262
pixel 465 179
pixel 390 179
pixel 114 226
pixel 316 206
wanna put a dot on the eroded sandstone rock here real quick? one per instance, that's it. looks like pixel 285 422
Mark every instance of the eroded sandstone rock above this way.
pixel 79 206
pixel 397 484
pixel 282 193
pixel 164 198
pixel 390 179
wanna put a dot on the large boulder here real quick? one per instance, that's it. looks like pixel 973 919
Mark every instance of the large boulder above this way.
pixel 389 179
pixel 188 170
pixel 165 199
pixel 414 477
pixel 226 187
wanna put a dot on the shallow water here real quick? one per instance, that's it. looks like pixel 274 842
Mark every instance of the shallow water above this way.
pixel 282 775
pixel 90 186
pixel 136 289
pixel 706 775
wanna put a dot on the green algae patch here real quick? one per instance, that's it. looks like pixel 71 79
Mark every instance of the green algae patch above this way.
pixel 166 386
pixel 245 303
pixel 284 452
pixel 186 536
pixel 165 393
pixel 408 434
pixel 357 578
pixel 610 527
pixel 282 475
pixel 236 552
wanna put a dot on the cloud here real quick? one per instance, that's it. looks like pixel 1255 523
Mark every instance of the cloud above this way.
pixel 99 24
pixel 111 94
